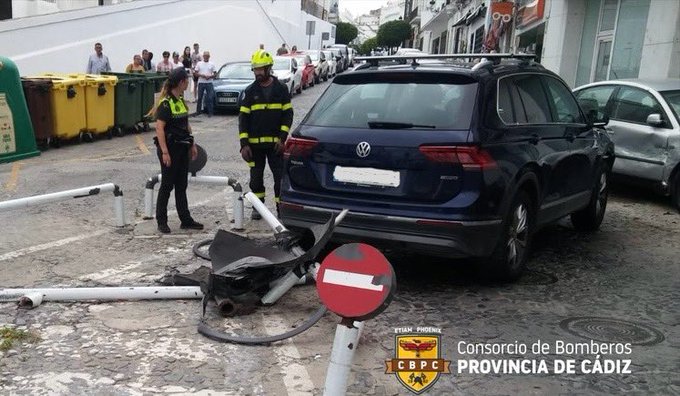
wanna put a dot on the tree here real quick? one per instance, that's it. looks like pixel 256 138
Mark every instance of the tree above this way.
pixel 368 45
pixel 392 33
pixel 345 33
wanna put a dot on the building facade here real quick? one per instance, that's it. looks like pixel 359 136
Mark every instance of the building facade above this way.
pixel 582 40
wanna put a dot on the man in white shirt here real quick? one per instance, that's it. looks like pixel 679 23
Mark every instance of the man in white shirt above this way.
pixel 176 63
pixel 195 58
pixel 98 62
pixel 205 70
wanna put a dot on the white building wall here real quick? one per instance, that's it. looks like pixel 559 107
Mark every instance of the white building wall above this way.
pixel 661 48
pixel 562 37
pixel 230 30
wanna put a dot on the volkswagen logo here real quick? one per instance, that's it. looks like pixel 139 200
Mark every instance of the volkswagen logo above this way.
pixel 363 149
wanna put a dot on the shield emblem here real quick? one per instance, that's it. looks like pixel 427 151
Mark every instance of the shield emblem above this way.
pixel 418 362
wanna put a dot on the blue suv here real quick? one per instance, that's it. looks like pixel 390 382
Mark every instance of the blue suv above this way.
pixel 448 159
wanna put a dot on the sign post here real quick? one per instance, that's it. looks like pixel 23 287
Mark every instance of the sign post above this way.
pixel 356 282
pixel 311 25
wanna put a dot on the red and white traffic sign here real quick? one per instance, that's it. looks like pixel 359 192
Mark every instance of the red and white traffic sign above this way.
pixel 356 281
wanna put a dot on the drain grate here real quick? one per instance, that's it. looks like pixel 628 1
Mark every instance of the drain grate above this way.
pixel 536 278
pixel 612 330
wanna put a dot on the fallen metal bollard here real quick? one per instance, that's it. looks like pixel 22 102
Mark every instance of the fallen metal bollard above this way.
pixel 118 204
pixel 237 200
pixel 31 298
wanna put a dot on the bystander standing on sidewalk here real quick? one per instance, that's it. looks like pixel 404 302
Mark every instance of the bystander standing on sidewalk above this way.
pixel 195 58
pixel 164 66
pixel 98 62
pixel 205 70
pixel 176 62
pixel 136 66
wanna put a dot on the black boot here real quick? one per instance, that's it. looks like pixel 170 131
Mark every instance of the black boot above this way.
pixel 164 229
pixel 192 225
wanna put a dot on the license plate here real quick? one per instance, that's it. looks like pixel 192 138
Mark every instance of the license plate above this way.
pixel 366 176
pixel 227 100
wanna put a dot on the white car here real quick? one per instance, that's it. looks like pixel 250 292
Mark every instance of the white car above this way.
pixel 332 63
pixel 287 71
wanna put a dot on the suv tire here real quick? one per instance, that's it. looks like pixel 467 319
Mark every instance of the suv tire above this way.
pixel 509 259
pixel 590 217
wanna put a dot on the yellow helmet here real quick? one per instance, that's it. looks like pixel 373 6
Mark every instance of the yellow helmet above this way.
pixel 261 58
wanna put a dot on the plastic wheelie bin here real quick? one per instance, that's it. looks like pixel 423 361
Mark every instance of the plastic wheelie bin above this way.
pixel 128 103
pixel 99 104
pixel 146 88
pixel 38 98
pixel 68 106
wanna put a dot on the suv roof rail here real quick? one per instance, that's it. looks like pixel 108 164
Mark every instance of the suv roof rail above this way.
pixel 487 59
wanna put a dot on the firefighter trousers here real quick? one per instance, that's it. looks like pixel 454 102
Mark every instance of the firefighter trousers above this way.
pixel 261 155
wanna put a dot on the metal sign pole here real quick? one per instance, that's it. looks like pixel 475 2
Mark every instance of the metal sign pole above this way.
pixel 345 343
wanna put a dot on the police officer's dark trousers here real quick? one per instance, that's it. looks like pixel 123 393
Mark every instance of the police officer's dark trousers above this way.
pixel 262 153
pixel 174 176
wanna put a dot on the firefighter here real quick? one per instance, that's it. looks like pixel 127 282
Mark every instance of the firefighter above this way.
pixel 265 117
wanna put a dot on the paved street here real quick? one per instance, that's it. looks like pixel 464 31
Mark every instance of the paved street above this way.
pixel 619 285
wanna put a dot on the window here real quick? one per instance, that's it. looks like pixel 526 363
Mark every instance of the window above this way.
pixel 565 109
pixel 533 98
pixel 608 15
pixel 444 105
pixel 593 101
pixel 634 105
pixel 479 40
pixel 673 100
pixel 510 109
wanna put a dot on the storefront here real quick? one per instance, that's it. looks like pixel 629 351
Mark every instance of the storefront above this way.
pixel 530 27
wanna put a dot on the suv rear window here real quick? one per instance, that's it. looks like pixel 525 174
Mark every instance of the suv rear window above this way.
pixel 438 103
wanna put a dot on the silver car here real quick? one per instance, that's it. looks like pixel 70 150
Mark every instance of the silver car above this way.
pixel 644 124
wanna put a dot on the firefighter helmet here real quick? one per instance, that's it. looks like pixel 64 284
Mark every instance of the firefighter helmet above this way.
pixel 261 58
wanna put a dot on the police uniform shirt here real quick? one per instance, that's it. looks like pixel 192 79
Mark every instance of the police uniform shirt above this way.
pixel 176 116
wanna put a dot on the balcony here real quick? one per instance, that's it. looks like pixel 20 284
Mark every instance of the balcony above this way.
pixel 414 16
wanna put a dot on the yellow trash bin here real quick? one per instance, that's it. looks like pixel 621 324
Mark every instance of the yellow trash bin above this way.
pixel 99 103
pixel 68 106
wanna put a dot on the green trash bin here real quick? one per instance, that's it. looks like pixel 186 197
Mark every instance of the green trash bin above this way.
pixel 158 79
pixel 128 101
pixel 17 140
pixel 146 90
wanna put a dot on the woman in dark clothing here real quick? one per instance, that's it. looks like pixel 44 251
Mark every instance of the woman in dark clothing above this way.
pixel 174 147
pixel 186 57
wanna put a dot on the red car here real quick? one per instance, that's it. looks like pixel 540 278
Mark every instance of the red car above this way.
pixel 305 62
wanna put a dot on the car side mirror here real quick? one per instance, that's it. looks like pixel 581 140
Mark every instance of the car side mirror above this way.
pixel 655 120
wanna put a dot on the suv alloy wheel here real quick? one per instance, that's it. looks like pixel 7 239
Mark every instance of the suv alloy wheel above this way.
pixel 509 259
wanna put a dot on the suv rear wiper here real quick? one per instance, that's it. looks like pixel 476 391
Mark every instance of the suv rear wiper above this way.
pixel 395 125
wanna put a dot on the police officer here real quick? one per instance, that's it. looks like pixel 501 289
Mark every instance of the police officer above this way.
pixel 174 146
pixel 265 117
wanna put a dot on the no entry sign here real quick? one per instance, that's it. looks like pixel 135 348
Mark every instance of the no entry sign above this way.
pixel 356 281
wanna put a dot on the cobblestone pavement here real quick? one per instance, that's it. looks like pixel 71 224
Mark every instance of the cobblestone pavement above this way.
pixel 616 285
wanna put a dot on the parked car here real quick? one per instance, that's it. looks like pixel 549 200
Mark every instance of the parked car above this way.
pixel 286 70
pixel 447 160
pixel 232 79
pixel 319 61
pixel 644 125
pixel 308 70
pixel 342 54
pixel 332 62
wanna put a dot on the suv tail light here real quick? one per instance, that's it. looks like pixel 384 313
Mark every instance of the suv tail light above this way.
pixel 299 147
pixel 470 157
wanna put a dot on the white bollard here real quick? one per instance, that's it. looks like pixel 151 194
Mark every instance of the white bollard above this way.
pixel 119 210
pixel 237 207
pixel 344 345
pixel 267 215
pixel 105 293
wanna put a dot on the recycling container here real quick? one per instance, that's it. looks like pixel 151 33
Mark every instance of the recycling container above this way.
pixel 37 93
pixel 17 140
pixel 99 103
pixel 158 80
pixel 67 103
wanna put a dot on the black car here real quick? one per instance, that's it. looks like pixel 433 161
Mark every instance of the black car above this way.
pixel 448 159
